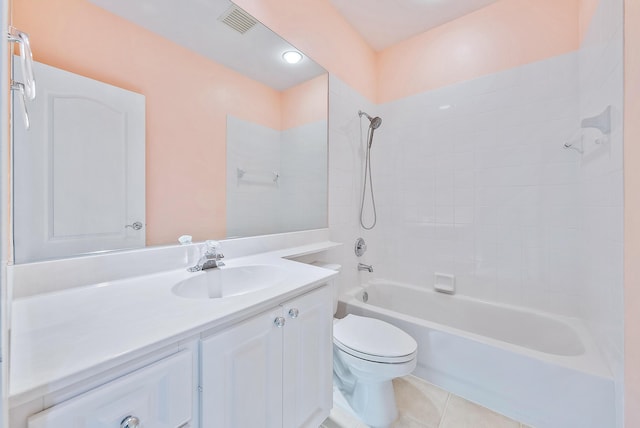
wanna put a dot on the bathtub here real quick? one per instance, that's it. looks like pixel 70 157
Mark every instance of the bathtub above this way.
pixel 540 369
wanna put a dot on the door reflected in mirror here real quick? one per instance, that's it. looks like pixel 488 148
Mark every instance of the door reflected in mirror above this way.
pixel 235 137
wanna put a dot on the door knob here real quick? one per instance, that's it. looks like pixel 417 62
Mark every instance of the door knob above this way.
pixel 135 226
pixel 130 422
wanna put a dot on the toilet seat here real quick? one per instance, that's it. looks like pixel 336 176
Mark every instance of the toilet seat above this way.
pixel 373 340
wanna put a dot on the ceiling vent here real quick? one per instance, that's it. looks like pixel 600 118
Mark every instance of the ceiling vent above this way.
pixel 238 19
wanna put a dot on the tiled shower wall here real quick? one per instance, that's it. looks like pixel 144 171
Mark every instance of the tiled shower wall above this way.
pixel 473 180
pixel 303 165
pixel 484 189
pixel 259 204
pixel 601 188
pixel 345 171
pixel 252 200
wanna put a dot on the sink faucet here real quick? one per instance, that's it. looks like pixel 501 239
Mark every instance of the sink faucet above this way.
pixel 362 266
pixel 210 258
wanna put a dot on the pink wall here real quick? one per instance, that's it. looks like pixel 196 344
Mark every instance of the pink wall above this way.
pixel 506 34
pixel 305 103
pixel 587 11
pixel 187 99
pixel 67 32
pixel 632 213
pixel 316 28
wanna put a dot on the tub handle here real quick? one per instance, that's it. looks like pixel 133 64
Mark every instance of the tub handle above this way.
pixel 294 312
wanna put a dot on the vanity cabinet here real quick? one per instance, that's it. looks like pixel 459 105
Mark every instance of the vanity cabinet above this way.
pixel 272 370
pixel 308 359
pixel 158 396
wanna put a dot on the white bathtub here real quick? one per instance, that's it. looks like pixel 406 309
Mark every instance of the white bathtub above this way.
pixel 537 368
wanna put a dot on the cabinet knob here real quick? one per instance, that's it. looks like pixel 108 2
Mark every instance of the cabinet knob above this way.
pixel 279 321
pixel 294 312
pixel 130 422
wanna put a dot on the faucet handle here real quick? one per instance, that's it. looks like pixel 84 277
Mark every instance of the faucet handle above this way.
pixel 213 248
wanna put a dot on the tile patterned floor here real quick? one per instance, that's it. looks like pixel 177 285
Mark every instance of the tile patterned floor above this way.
pixel 422 405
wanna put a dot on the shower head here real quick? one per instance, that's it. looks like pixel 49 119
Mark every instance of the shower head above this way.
pixel 375 124
pixel 375 121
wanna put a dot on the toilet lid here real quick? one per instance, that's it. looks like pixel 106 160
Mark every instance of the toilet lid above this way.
pixel 369 337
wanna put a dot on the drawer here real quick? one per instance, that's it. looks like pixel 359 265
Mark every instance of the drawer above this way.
pixel 159 395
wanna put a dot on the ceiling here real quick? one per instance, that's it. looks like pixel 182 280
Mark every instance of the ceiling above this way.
pixel 383 23
pixel 257 53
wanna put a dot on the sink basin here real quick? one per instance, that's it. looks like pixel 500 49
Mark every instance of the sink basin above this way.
pixel 229 281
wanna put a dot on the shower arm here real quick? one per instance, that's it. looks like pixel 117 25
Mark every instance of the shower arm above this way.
pixel 362 113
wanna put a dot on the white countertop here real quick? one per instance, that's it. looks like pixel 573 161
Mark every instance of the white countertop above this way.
pixel 59 336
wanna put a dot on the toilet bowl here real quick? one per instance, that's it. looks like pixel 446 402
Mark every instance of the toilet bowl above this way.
pixel 367 355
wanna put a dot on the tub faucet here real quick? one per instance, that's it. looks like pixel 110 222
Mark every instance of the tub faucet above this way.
pixel 362 266
pixel 210 258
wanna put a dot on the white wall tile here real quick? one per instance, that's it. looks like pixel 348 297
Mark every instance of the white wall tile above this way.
pixel 346 156
pixel 600 187
pixel 483 175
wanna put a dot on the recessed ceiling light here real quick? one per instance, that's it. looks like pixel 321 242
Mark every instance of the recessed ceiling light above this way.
pixel 445 107
pixel 292 57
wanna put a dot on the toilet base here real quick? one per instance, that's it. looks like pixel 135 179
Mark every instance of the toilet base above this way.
pixel 342 403
pixel 371 402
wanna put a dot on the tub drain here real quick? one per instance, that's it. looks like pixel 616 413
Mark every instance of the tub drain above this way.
pixel 365 296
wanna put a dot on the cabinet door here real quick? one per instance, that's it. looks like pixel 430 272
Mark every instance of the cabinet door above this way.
pixel 308 359
pixel 241 376
pixel 158 395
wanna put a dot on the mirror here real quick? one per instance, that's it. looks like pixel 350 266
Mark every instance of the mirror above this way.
pixel 235 138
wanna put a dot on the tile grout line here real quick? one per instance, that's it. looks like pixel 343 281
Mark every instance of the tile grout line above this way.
pixel 444 410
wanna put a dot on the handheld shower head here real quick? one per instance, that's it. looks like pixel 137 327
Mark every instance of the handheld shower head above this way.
pixel 374 124
pixel 375 121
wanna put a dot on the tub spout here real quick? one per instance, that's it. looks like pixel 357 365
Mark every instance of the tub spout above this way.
pixel 362 266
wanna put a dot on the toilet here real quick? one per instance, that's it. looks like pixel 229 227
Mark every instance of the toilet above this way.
pixel 367 355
